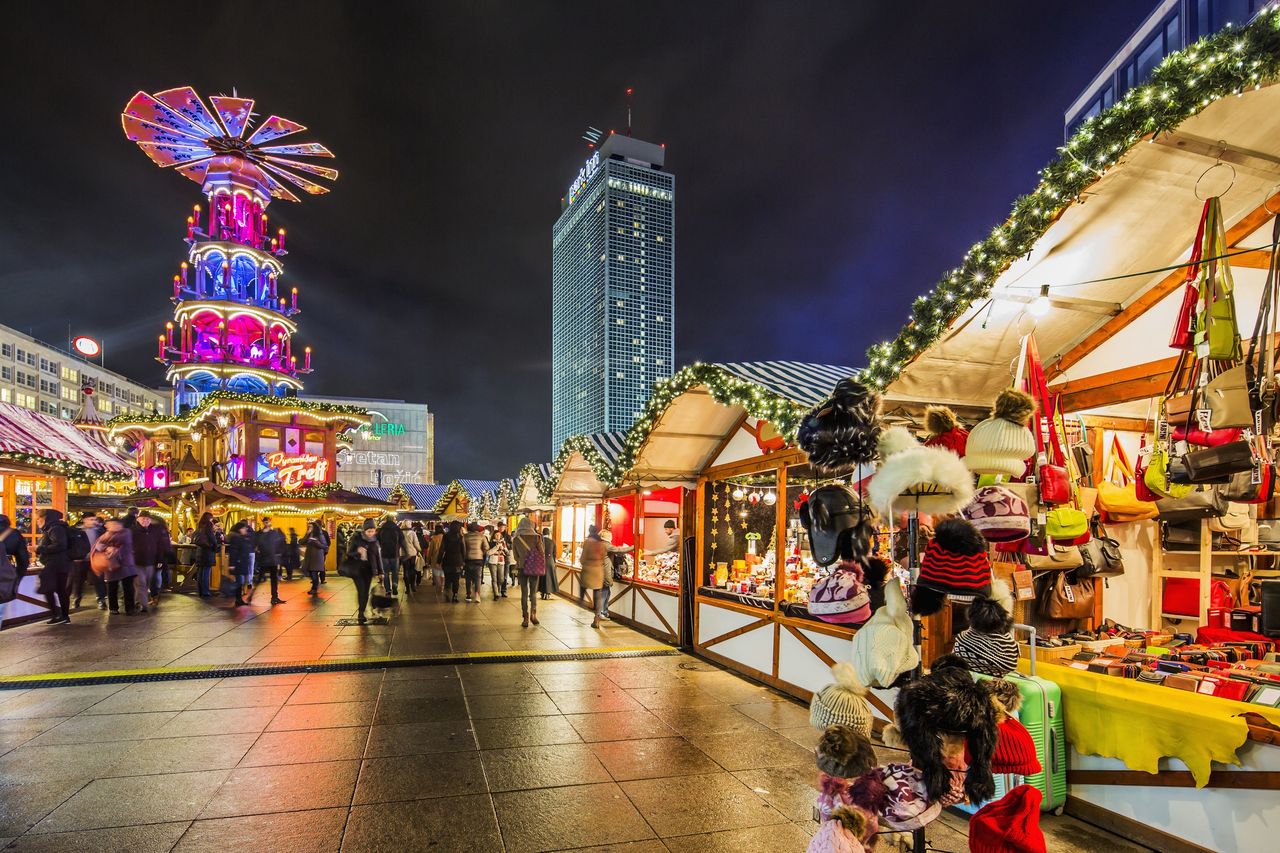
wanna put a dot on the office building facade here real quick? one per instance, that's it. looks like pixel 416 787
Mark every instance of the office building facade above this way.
pixel 613 289
pixel 47 379
pixel 397 447
pixel 1171 26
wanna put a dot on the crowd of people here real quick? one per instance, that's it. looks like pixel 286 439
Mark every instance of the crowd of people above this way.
pixel 128 561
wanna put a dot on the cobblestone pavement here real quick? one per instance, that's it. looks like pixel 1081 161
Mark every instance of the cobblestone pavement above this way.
pixel 641 754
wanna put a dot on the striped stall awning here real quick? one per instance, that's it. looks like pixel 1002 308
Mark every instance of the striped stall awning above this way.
pixel 609 445
pixel 424 495
pixel 476 488
pixel 48 437
pixel 798 381
pixel 378 493
pixel 544 470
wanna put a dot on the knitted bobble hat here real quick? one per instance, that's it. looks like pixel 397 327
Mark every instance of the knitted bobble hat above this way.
pixel 1002 443
pixel 955 563
pixel 987 645
pixel 841 703
pixel 1011 824
pixel 944 430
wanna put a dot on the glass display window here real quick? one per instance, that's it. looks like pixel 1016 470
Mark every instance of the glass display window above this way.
pixel 29 495
pixel 572 530
pixel 621 521
pixel 659 538
pixel 740 548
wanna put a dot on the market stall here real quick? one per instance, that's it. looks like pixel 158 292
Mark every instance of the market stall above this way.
pixel 1104 266
pixel 576 487
pixel 40 456
pixel 715 437
pixel 461 499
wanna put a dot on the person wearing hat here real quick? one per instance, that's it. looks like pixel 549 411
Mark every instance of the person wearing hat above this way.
pixel 366 559
pixel 672 543
pixel 1011 824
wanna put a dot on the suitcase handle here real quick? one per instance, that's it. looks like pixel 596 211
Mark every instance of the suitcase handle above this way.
pixel 1031 631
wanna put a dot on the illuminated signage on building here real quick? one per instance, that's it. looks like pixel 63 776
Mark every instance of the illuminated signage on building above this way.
pixel 295 470
pixel 584 174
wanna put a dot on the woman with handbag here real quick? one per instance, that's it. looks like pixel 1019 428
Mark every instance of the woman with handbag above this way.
pixel 316 548
pixel 529 553
pixel 363 563
pixel 112 560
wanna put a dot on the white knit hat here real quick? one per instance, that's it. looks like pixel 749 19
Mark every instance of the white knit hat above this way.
pixel 883 648
pixel 841 703
pixel 1002 444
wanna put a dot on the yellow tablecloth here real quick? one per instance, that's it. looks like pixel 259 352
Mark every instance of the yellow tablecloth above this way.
pixel 1142 723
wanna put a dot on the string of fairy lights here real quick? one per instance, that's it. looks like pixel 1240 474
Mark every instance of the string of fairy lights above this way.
pixel 1226 63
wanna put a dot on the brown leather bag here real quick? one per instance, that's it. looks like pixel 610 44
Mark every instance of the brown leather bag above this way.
pixel 1063 600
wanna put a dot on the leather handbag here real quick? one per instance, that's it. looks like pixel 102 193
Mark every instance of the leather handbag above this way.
pixel 1066 524
pixel 1183 336
pixel 1051 468
pixel 1100 557
pixel 1118 499
pixel 1205 503
pixel 1065 600
pixel 1206 438
pixel 1227 399
pixel 1242 489
pixel 1157 476
pixel 1217 335
pixel 1237 517
pixel 1218 464
pixel 1059 558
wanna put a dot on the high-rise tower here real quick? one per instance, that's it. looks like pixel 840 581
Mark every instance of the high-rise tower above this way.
pixel 613 289
pixel 233 325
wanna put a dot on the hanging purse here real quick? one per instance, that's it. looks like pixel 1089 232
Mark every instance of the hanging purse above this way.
pixel 1065 600
pixel 1100 557
pixel 1250 487
pixel 1051 466
pixel 1118 501
pixel 1058 559
pixel 1183 336
pixel 1206 438
pixel 1192 507
pixel 1218 464
pixel 1217 335
pixel 1067 525
pixel 1236 518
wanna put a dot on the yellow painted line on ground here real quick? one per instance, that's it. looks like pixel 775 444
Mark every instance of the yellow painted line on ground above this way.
pixel 216 669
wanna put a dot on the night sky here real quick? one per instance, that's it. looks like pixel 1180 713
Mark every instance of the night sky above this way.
pixel 831 160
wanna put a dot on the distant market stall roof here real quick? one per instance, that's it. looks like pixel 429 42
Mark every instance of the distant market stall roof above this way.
pixel 1108 230
pixel 584 466
pixel 32 438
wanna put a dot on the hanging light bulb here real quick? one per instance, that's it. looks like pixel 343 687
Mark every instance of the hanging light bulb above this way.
pixel 1040 305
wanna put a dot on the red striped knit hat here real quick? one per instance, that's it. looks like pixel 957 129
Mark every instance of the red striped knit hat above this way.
pixel 956 560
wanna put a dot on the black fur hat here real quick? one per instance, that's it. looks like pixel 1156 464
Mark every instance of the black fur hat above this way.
pixel 947 700
pixel 842 431
pixel 839 524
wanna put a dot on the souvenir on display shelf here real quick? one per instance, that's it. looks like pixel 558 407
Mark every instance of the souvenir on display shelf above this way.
pixel 660 542
pixel 738 519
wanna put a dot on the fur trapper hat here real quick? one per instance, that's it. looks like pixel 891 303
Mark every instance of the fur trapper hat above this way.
pixel 839 524
pixel 929 479
pixel 947 700
pixel 845 752
pixel 842 432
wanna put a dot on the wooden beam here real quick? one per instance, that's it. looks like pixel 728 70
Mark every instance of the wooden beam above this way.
pixel 811 646
pixel 1120 424
pixel 1250 222
pixel 1258 259
pixel 1139 382
pixel 736 632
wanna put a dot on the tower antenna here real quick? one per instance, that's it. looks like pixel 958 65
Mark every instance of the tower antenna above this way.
pixel 629 93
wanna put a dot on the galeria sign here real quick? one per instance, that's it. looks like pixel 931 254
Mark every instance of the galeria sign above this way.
pixel 293 471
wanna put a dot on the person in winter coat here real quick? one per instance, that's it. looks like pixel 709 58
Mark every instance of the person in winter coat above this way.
pixel 548 583
pixel 91 525
pixel 13 550
pixel 497 559
pixel 477 549
pixel 525 541
pixel 391 546
pixel 616 565
pixel 595 572
pixel 56 566
pixel 292 555
pixel 150 545
pixel 411 558
pixel 453 557
pixel 240 545
pixel 271 546
pixel 433 557
pixel 316 548
pixel 364 549
pixel 207 545
pixel 116 564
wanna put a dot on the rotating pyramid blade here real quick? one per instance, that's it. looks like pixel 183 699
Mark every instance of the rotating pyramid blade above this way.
pixel 234 112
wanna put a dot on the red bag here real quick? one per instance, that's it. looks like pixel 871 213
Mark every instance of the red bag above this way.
pixel 1206 438
pixel 1051 474
pixel 1140 488
pixel 1183 336
pixel 1182 596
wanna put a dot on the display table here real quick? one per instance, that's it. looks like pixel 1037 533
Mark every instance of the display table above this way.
pixel 1208 636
